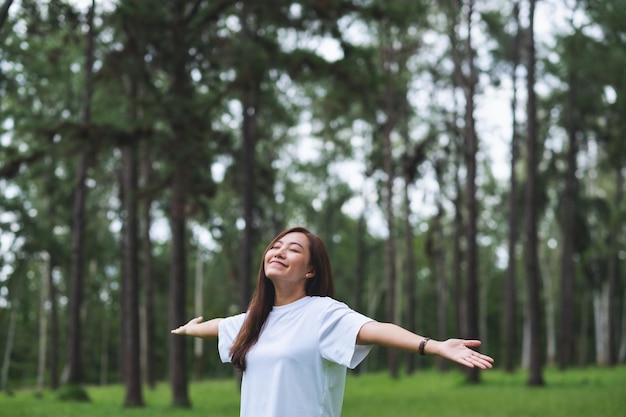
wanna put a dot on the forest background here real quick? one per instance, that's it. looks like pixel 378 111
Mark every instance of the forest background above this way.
pixel 151 149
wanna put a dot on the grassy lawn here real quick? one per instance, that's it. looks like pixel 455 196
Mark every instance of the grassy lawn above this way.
pixel 591 392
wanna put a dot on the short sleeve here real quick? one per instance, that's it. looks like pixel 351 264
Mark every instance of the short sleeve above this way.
pixel 228 331
pixel 339 328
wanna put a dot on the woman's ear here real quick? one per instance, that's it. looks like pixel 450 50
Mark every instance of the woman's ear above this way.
pixel 310 273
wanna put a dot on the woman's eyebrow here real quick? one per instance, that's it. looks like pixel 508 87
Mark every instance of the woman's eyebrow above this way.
pixel 296 243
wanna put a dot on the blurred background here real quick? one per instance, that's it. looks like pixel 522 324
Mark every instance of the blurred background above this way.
pixel 463 160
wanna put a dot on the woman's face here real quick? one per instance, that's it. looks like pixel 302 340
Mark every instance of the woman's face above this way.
pixel 288 259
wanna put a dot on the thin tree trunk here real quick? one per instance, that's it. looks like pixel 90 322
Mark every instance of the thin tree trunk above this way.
pixel 583 346
pixel 130 281
pixel 74 360
pixel 568 230
pixel 619 196
pixel 180 89
pixel 54 326
pixel 130 326
pixel 526 339
pixel 43 327
pixel 104 341
pixel 198 306
pixel 510 291
pixel 8 348
pixel 147 311
pixel 599 320
pixel 410 273
pixel 74 352
pixel 621 357
pixel 178 285
pixel 550 318
pixel 390 267
pixel 442 282
pixel 472 206
pixel 535 377
pixel 361 265
pixel 361 261
pixel 409 169
pixel 460 225
pixel 248 170
pixel 612 270
pixel 468 84
pixel 459 258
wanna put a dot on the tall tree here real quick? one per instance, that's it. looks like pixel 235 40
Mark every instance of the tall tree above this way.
pixel 533 299
pixel 568 228
pixel 508 52
pixel 463 56
pixel 75 353
pixel 510 293
pixel 251 76
pixel 130 253
pixel 387 127
pixel 180 90
pixel 148 325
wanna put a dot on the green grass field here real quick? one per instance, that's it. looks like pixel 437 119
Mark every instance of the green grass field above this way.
pixel 590 392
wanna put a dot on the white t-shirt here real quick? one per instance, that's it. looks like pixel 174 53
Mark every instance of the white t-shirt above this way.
pixel 297 368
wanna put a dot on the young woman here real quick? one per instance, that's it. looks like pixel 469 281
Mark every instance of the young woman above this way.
pixel 295 342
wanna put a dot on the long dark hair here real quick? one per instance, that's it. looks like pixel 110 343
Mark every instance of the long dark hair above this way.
pixel 263 299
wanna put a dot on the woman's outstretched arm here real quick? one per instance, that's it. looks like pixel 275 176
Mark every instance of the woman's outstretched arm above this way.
pixel 394 336
pixel 198 328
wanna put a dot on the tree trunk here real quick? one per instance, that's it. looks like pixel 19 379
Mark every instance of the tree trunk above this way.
pixel 460 224
pixel 43 327
pixel 77 267
pixel 390 269
pixel 459 258
pixel 468 84
pixel 410 168
pixel 550 315
pixel 147 311
pixel 410 273
pixel 198 306
pixel 179 194
pixel 248 170
pixel 77 275
pixel 621 355
pixel 130 280
pixel 361 265
pixel 568 229
pixel 535 377
pixel 8 348
pixel 442 282
pixel 600 319
pixel 472 206
pixel 387 160
pixel 510 288
pixel 178 285
pixel 54 327
pixel 613 269
pixel 104 335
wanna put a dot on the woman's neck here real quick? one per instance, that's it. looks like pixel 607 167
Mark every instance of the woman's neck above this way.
pixel 284 296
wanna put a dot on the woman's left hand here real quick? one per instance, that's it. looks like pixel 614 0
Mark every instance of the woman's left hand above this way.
pixel 459 350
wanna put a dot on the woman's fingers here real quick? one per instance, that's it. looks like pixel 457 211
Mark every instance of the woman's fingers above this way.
pixel 183 329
